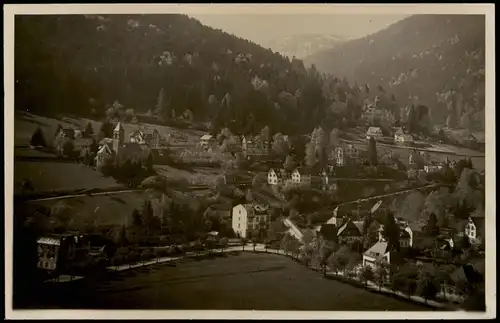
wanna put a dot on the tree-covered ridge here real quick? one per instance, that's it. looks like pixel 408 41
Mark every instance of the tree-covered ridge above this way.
pixel 79 64
pixel 437 58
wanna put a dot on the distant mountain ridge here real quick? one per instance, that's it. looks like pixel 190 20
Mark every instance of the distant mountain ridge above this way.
pixel 303 45
pixel 436 58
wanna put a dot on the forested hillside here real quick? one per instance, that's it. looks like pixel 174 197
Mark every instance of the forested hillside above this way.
pixel 81 64
pixel 440 59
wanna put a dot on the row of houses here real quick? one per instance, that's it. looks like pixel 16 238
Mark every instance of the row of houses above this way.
pixel 401 137
pixel 411 233
pixel 255 147
pixel 302 176
pixel 250 146
pixel 141 143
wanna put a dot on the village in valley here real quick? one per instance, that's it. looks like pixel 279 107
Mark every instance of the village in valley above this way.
pixel 370 200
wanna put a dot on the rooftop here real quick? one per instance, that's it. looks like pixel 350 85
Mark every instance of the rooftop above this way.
pixel 373 130
pixel 206 137
pixel 379 249
pixel 50 241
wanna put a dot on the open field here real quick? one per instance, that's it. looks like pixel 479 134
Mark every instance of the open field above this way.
pixel 237 282
pixel 59 176
pixel 113 209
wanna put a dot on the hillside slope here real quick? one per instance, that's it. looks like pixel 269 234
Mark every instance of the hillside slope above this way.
pixel 81 64
pixel 427 56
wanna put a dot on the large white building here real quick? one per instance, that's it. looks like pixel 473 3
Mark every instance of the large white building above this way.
pixel 248 218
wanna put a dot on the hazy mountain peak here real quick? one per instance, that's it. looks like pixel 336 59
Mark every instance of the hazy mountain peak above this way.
pixel 303 45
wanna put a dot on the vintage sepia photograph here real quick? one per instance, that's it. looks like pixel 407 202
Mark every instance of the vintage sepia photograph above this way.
pixel 269 158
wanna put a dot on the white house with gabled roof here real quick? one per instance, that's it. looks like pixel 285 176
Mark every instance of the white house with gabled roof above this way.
pixel 375 132
pixel 301 176
pixel 207 141
pixel 275 176
pixel 378 252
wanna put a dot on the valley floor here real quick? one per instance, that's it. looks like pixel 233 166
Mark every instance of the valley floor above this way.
pixel 236 282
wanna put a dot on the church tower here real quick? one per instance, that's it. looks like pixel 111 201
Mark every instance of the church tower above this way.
pixel 118 137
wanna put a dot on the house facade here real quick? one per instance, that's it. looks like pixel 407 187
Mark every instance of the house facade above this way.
pixel 276 176
pixel 301 176
pixel 108 147
pixel 326 181
pixel 247 218
pixel 340 158
pixel 432 168
pixel 346 154
pixel 55 252
pixel 474 229
pixel 145 137
pixel 207 141
pixel 374 132
pixel 105 152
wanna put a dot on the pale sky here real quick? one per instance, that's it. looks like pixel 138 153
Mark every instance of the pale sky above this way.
pixel 263 28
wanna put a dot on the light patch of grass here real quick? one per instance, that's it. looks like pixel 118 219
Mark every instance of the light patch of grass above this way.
pixel 59 176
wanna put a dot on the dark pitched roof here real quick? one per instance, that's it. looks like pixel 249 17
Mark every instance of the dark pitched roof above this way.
pixel 349 229
pixel 305 170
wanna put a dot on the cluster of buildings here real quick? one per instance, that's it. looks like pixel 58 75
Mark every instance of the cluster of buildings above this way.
pixel 79 138
pixel 401 137
pixel 141 143
pixel 57 253
pixel 251 147
pixel 344 154
pixel 302 176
